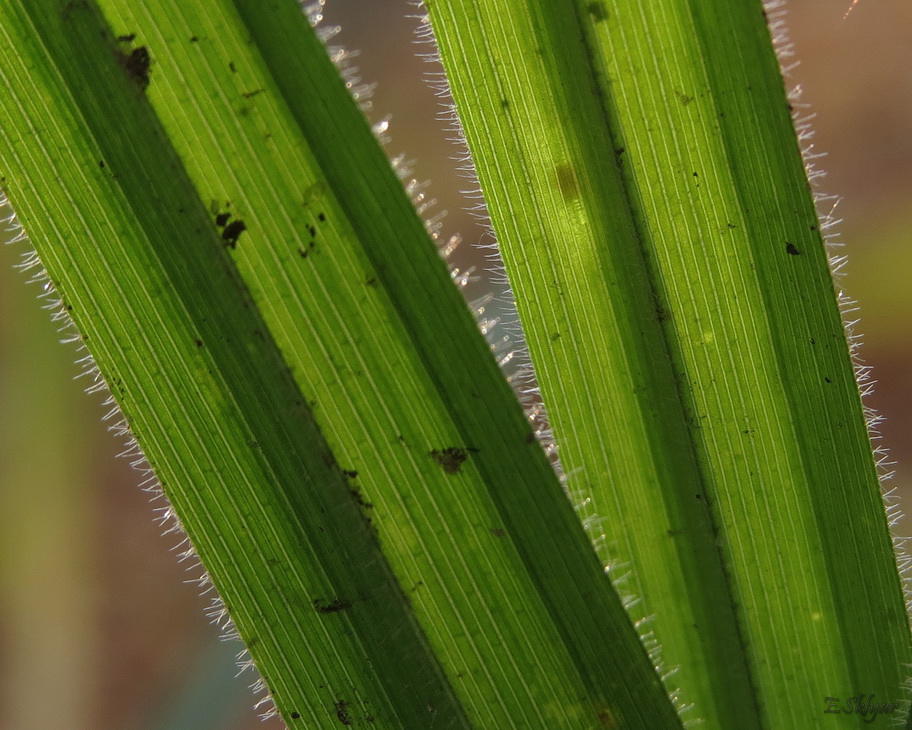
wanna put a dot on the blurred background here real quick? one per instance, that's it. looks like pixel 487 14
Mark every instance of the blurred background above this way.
pixel 98 628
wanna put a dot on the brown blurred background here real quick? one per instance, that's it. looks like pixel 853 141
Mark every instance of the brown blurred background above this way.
pixel 98 629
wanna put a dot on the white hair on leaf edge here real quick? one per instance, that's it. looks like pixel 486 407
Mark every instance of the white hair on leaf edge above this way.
pixel 802 119
pixel 165 516
pixel 507 340
pixel 826 204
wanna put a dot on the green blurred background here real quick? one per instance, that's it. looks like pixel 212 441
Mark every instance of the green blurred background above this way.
pixel 98 628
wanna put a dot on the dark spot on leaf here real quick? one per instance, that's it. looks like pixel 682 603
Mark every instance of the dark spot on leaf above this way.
pixel 451 458
pixel 530 438
pixel 606 718
pixel 321 217
pixel 555 336
pixel 661 314
pixel 194 39
pixel 598 12
pixel 295 715
pixel 232 232
pixel 371 282
pixel 342 712
pixel 567 182
pixel 312 231
pixel 221 220
pixel 128 38
pixel 137 64
pixel 731 225
pixel 349 473
pixel 504 103
pixel 251 94
pixel 199 343
pixel 232 67
pixel 791 250
pixel 828 380
pixel 321 605
pixel 619 151
pixel 813 341
pixel 683 98
pixel 356 495
pixel 813 228
pixel 101 164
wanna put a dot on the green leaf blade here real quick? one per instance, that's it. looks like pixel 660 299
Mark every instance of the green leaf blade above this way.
pixel 775 301
pixel 274 524
pixel 662 326
pixel 462 505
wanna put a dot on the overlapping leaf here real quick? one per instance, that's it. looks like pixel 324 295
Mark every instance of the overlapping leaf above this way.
pixel 283 339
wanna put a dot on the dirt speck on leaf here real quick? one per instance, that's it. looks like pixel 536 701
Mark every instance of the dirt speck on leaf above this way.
pixel 137 64
pixel 451 458
pixel 321 605
pixel 359 499
pixel 342 712
pixel 232 232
